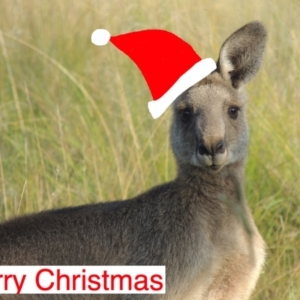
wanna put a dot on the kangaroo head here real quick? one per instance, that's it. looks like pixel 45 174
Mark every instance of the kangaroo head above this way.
pixel 209 128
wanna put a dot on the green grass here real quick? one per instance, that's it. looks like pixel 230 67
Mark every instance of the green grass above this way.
pixel 75 128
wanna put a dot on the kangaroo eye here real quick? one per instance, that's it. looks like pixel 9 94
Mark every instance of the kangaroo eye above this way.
pixel 185 115
pixel 233 112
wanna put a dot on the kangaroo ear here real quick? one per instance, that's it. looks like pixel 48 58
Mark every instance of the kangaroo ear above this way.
pixel 241 54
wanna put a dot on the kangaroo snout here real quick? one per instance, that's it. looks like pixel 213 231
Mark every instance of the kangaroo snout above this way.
pixel 212 152
pixel 212 148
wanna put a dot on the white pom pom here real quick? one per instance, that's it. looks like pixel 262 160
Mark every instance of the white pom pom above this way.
pixel 100 37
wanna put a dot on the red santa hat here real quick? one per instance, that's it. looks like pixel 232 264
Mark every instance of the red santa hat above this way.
pixel 169 65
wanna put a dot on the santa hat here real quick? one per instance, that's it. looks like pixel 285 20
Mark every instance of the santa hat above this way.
pixel 169 65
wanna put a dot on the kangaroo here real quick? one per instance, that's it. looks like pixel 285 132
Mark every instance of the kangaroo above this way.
pixel 190 224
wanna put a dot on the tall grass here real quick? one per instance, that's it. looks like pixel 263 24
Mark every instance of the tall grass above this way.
pixel 74 124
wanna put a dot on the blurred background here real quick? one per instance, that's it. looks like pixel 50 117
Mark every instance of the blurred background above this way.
pixel 75 127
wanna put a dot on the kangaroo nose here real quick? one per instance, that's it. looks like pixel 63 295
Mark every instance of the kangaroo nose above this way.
pixel 212 149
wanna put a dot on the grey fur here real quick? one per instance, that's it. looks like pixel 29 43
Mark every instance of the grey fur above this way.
pixel 184 224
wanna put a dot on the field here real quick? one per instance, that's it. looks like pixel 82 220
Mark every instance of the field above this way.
pixel 74 123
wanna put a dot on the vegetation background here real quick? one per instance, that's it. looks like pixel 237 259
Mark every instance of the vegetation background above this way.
pixel 74 123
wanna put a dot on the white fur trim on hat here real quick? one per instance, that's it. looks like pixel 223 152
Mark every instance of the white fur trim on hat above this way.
pixel 196 73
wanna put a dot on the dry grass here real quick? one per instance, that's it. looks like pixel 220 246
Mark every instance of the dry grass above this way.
pixel 74 124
